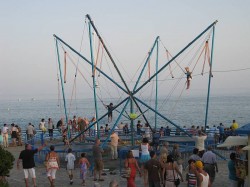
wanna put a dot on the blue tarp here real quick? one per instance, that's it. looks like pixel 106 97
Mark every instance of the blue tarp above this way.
pixel 245 129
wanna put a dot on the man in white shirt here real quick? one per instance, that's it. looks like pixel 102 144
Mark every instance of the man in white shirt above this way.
pixel 70 159
pixel 210 164
pixel 5 135
pixel 30 131
pixel 199 142
pixel 114 143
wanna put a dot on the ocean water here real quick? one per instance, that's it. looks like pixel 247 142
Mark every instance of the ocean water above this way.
pixel 185 111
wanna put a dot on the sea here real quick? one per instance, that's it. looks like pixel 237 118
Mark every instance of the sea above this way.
pixel 181 112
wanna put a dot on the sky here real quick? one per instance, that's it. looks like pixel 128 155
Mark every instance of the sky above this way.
pixel 27 47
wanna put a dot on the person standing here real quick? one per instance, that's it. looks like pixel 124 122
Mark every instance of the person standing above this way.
pixel 145 156
pixel 106 130
pixel 19 136
pixel 75 125
pixel 50 128
pixel 30 132
pixel 138 127
pixel 70 159
pixel 97 155
pixel 195 155
pixel 110 109
pixel 199 142
pixel 53 164
pixel 164 148
pixel 153 167
pixel 192 175
pixel 147 131
pixel 232 170
pixel 167 131
pixel 156 140
pixel 114 144
pixel 203 176
pixel 13 133
pixel 221 132
pixel 59 124
pixel 131 163
pixel 27 157
pixel 171 171
pixel 125 129
pixel 176 154
pixel 42 126
pixel 210 164
pixel 235 125
pixel 5 132
pixel 84 165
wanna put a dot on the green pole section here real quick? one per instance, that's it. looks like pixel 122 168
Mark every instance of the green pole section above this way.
pixel 210 76
pixel 62 85
pixel 132 122
pixel 156 82
pixel 93 78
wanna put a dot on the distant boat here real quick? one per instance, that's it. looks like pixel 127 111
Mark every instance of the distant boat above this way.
pixel 18 99
pixel 33 99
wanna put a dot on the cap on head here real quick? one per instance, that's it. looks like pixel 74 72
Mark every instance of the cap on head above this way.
pixel 199 164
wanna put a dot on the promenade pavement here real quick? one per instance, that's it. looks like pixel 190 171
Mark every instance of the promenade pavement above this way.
pixel 62 180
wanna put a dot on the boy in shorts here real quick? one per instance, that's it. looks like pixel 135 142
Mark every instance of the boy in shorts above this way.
pixel 70 159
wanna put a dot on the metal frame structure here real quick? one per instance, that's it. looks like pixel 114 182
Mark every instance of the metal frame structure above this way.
pixel 131 94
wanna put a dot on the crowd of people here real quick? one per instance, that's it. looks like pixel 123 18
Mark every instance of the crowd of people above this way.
pixel 166 169
pixel 14 131
pixel 163 169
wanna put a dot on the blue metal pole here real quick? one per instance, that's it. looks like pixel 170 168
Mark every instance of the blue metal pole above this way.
pixel 177 126
pixel 116 123
pixel 209 79
pixel 108 53
pixel 163 67
pixel 156 83
pixel 86 60
pixel 93 78
pixel 62 84
pixel 114 64
pixel 145 64
pixel 132 122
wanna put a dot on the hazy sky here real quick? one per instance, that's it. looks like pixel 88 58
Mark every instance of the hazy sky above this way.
pixel 27 49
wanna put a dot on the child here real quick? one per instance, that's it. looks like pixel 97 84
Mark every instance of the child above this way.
pixel 191 176
pixel 84 165
pixel 189 77
pixel 70 159
pixel 64 136
pixel 1 138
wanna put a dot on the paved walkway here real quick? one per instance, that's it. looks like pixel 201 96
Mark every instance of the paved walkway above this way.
pixel 16 176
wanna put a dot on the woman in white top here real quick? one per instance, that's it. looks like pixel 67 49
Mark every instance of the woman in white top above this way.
pixel 42 126
pixel 144 157
pixel 171 172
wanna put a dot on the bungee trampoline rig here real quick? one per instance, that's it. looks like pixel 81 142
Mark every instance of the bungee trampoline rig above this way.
pixel 133 98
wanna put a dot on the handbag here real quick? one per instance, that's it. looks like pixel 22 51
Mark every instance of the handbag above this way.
pixel 127 172
pixel 176 181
